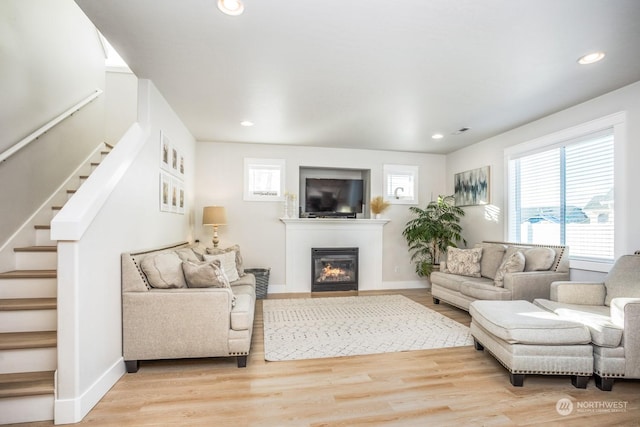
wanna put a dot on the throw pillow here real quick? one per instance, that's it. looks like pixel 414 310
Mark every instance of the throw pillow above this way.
pixel 206 275
pixel 187 254
pixel 465 262
pixel 539 259
pixel 492 256
pixel 227 263
pixel 164 270
pixel 513 263
pixel 236 250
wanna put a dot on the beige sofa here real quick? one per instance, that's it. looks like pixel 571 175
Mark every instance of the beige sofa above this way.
pixel 177 321
pixel 494 274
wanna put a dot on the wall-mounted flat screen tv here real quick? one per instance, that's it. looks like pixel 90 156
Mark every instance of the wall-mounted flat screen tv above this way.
pixel 334 197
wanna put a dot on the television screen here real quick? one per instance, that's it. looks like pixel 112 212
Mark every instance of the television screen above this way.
pixel 338 196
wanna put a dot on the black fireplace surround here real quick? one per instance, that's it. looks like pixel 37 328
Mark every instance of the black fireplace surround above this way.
pixel 334 269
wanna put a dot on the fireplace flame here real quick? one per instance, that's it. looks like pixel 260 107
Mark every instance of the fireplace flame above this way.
pixel 333 274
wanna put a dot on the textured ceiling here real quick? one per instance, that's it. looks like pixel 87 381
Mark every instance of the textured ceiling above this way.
pixel 370 73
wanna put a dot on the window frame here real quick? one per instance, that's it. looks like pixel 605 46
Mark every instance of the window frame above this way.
pixel 617 122
pixel 255 163
pixel 388 194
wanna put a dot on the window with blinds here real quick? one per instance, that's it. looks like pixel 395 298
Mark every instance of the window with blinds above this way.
pixel 401 184
pixel 264 179
pixel 563 194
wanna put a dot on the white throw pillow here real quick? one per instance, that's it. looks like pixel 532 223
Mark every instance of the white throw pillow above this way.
pixel 465 262
pixel 227 262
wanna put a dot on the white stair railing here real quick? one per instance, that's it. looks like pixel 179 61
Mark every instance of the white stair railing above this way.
pixel 43 129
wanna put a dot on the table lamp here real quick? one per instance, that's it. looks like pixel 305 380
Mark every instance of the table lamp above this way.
pixel 214 215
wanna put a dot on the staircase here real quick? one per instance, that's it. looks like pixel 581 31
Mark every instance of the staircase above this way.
pixel 28 324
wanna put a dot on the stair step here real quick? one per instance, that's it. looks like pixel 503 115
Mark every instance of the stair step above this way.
pixel 20 304
pixel 26 384
pixel 36 249
pixel 42 227
pixel 109 146
pixel 37 257
pixel 23 340
pixel 71 191
pixel 94 164
pixel 28 284
pixel 29 274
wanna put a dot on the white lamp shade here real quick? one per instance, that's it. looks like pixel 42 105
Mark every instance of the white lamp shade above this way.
pixel 214 215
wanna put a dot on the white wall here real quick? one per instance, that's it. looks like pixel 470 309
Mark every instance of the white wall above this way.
pixel 121 99
pixel 255 225
pixel 488 222
pixel 89 285
pixel 50 59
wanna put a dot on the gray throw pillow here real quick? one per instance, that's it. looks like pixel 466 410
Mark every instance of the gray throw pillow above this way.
pixel 538 259
pixel 206 274
pixel 227 263
pixel 187 254
pixel 164 270
pixel 513 263
pixel 492 256
pixel 236 250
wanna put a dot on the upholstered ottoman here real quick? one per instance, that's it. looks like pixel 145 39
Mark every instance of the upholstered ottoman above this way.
pixel 529 340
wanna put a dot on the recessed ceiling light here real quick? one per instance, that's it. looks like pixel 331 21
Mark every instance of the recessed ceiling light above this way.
pixel 246 123
pixel 590 58
pixel 437 136
pixel 231 7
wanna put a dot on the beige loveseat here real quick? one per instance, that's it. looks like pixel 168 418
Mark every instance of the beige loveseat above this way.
pixel 493 274
pixel 177 321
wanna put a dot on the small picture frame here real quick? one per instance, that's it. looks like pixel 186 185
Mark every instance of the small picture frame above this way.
pixel 165 152
pixel 180 208
pixel 165 192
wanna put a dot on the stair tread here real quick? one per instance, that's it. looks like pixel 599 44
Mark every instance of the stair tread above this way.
pixel 29 274
pixel 26 384
pixel 36 249
pixel 22 340
pixel 13 304
pixel 56 208
pixel 42 227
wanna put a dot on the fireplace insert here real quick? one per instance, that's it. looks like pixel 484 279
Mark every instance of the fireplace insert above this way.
pixel 334 269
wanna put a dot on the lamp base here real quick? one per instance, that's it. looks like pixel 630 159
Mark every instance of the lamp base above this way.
pixel 216 240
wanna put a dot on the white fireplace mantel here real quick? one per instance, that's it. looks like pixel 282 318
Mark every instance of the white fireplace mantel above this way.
pixel 302 234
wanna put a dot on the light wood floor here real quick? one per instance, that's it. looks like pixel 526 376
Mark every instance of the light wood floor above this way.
pixel 444 387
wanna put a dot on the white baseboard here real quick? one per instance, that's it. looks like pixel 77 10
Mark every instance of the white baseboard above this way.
pixel 69 411
pixel 407 284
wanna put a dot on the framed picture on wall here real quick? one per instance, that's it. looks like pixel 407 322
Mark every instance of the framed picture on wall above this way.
pixel 472 187
pixel 165 152
pixel 174 160
pixel 165 192
pixel 179 185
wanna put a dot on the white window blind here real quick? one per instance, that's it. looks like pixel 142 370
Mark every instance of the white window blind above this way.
pixel 264 179
pixel 564 195
pixel 401 184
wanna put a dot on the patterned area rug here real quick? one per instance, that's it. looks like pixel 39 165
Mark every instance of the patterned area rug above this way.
pixel 312 328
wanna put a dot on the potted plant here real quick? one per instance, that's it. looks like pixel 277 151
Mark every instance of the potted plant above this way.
pixel 378 205
pixel 432 230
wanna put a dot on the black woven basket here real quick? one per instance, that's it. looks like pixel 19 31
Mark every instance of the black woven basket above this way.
pixel 262 280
